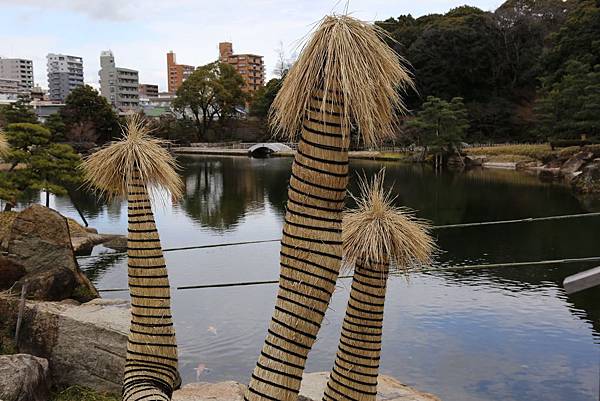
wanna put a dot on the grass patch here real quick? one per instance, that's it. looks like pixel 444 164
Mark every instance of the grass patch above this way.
pixel 537 152
pixel 79 393
pixel 523 153
pixel 565 153
pixel 509 159
pixel 393 156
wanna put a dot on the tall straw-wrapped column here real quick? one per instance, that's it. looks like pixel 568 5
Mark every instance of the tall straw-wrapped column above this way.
pixel 128 168
pixel 355 370
pixel 345 78
pixel 151 366
pixel 311 253
pixel 377 237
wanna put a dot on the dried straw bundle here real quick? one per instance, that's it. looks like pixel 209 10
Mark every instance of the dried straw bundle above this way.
pixel 349 60
pixel 375 235
pixel 111 168
pixel 127 167
pixel 319 98
pixel 379 231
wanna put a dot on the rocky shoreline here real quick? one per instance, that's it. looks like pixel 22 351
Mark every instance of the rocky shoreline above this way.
pixel 68 343
pixel 577 167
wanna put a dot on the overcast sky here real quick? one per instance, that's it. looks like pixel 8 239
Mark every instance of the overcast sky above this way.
pixel 140 32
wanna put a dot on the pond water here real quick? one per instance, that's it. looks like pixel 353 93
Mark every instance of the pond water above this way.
pixel 494 334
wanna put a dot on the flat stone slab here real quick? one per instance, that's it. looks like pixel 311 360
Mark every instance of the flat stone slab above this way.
pixel 313 387
pixel 501 165
pixel 388 389
pixel 87 241
pixel 85 344
pixel 223 391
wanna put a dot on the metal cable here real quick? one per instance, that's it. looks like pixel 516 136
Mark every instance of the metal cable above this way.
pixel 428 270
pixel 441 227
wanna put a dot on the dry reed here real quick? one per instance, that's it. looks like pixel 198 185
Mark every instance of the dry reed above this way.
pixel 349 60
pixel 110 169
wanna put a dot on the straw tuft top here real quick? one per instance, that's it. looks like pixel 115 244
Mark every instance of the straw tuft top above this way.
pixel 378 231
pixel 347 62
pixel 110 169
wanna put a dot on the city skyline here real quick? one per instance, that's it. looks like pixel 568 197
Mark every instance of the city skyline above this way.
pixel 140 35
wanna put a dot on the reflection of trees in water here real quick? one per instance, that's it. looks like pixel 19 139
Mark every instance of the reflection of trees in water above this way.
pixel 91 204
pixel 455 197
pixel 589 202
pixel 275 176
pixel 220 191
pixel 95 267
pixel 507 176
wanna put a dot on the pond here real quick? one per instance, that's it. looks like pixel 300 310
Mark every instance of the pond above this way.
pixel 493 334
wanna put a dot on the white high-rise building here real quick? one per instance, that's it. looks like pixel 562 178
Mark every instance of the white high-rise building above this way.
pixel 120 86
pixel 17 69
pixel 65 73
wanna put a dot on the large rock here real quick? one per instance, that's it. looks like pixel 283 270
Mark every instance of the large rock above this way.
pixel 40 241
pixel 475 160
pixel 24 378
pixel 84 241
pixel 84 344
pixel 572 165
pixel 589 180
pixel 10 272
pixel 312 389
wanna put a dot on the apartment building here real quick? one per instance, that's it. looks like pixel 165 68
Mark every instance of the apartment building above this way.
pixel 9 86
pixel 120 86
pixel 148 91
pixel 19 70
pixel 250 66
pixel 65 73
pixel 176 73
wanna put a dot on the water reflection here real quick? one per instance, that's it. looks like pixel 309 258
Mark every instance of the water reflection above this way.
pixel 497 334
pixel 220 192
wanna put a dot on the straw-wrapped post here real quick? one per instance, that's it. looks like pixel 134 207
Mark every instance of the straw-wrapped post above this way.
pixel 130 168
pixel 345 78
pixel 378 238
